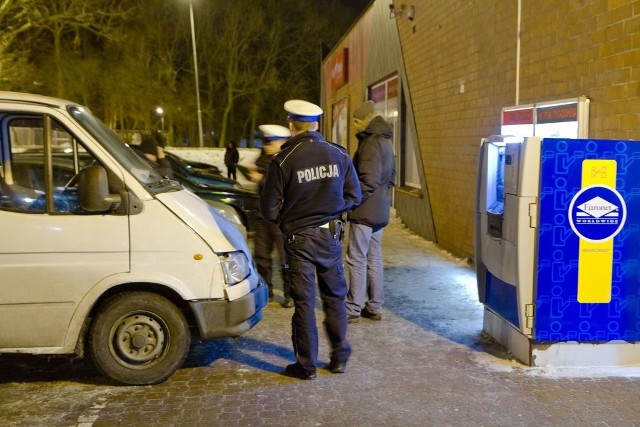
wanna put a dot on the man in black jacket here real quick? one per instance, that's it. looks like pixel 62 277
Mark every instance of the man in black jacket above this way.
pixel 310 183
pixel 231 159
pixel 375 163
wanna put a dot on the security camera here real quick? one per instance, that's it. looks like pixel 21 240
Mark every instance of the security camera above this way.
pixel 392 11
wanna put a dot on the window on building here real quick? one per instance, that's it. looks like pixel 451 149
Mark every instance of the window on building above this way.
pixel 409 170
pixel 385 95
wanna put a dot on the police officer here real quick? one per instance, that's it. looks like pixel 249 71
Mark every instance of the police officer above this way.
pixel 267 235
pixel 310 183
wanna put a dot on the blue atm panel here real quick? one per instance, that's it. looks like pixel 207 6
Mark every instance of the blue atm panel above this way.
pixel 587 287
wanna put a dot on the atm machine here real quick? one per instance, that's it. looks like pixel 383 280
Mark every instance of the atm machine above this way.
pixel 557 239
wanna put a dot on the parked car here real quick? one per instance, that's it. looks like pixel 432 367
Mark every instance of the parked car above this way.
pixel 209 168
pixel 237 205
pixel 183 171
pixel 245 202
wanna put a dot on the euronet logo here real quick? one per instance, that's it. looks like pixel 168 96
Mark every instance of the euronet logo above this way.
pixel 597 213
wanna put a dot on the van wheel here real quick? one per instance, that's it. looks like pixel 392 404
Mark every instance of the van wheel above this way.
pixel 139 338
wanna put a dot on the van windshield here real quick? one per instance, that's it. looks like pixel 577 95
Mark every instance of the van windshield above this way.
pixel 140 169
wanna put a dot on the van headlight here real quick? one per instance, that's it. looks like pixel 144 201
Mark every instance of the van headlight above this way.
pixel 235 267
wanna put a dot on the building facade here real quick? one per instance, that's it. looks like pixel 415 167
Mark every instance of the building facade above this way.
pixel 443 71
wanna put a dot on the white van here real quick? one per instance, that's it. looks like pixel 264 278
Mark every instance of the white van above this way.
pixel 98 251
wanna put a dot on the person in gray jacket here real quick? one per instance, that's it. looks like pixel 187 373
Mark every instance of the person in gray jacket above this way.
pixel 374 161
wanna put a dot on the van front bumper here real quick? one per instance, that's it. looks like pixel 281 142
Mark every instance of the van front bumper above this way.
pixel 223 318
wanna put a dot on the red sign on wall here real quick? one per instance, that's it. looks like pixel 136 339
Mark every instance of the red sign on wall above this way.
pixel 523 116
pixel 339 68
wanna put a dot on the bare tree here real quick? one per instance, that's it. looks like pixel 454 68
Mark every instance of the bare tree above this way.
pixel 71 20
pixel 145 71
pixel 126 57
pixel 15 19
pixel 261 47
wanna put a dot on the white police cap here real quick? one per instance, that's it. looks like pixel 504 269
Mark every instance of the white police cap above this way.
pixel 274 132
pixel 302 111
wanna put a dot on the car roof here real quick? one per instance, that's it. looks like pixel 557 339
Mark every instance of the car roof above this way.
pixel 32 98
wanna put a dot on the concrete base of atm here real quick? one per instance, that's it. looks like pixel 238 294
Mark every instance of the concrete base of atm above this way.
pixel 560 354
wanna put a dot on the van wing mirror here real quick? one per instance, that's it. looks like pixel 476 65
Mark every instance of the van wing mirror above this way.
pixel 93 190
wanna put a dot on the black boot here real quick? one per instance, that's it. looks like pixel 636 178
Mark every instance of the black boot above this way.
pixel 288 302
pixel 286 287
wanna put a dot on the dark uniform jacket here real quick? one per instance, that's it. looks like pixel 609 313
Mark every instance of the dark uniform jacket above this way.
pixel 262 166
pixel 310 182
pixel 375 162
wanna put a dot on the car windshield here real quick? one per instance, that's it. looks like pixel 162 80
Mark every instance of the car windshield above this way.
pixel 140 169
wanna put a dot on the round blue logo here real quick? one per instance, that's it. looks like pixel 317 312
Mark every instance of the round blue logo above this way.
pixel 597 213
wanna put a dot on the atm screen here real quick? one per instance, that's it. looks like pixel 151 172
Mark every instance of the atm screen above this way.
pixel 495 187
pixel 495 201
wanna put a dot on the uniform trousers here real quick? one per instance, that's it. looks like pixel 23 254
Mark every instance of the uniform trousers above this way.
pixel 366 273
pixel 267 238
pixel 310 252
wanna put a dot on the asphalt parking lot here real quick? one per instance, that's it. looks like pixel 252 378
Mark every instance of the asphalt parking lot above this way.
pixel 426 363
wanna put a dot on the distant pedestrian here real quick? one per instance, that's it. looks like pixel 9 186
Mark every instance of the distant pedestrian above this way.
pixel 231 159
pixel 375 163
pixel 267 234
pixel 310 183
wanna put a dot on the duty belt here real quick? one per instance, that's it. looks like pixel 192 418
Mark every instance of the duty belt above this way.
pixel 335 226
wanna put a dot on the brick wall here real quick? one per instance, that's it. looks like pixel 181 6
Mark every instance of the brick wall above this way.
pixel 460 60
pixel 587 48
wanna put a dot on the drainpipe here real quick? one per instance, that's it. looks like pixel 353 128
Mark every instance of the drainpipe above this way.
pixel 518 53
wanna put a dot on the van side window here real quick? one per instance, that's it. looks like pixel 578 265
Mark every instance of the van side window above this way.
pixel 27 184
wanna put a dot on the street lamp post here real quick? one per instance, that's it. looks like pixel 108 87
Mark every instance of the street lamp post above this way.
pixel 195 69
pixel 160 112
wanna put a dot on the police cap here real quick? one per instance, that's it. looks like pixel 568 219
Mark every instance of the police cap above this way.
pixel 274 132
pixel 302 111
